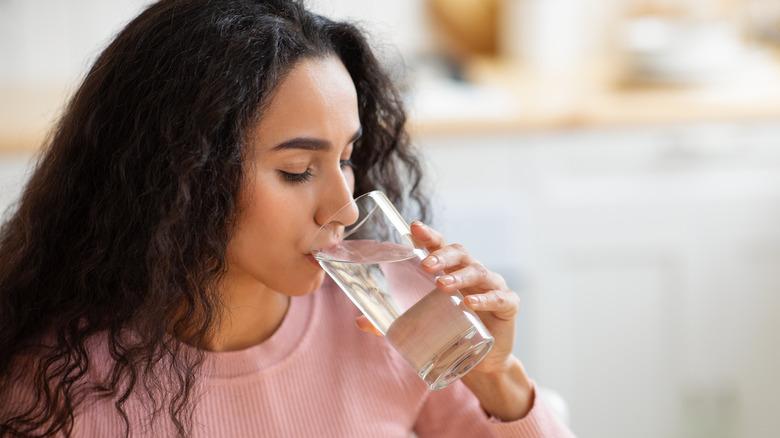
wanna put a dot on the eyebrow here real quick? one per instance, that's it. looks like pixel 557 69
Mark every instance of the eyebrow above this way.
pixel 312 144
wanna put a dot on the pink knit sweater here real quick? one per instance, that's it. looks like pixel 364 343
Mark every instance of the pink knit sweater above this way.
pixel 319 376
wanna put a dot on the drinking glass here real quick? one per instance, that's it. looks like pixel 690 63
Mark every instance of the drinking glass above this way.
pixel 375 261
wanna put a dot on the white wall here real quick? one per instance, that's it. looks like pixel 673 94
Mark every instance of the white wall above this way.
pixel 398 25
pixel 55 41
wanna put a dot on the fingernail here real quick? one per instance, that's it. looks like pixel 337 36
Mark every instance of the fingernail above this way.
pixel 430 261
pixel 447 279
pixel 473 300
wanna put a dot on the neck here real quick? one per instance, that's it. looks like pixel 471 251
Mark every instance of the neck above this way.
pixel 253 312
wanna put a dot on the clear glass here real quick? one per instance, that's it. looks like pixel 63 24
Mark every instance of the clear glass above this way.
pixel 374 261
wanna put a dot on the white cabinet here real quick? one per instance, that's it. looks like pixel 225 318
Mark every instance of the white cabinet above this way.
pixel 648 261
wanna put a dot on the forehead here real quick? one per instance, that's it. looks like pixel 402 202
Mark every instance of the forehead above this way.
pixel 316 99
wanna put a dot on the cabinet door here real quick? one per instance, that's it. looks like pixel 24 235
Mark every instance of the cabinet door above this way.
pixel 648 281
pixel 604 327
pixel 646 261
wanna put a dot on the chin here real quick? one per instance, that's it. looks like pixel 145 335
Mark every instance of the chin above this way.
pixel 317 282
pixel 314 283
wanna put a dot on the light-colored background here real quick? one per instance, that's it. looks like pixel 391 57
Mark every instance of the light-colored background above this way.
pixel 628 190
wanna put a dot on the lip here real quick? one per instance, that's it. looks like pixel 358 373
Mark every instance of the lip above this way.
pixel 313 260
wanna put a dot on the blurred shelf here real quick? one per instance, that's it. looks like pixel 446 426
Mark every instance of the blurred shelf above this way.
pixel 595 95
pixel 28 113
pixel 500 97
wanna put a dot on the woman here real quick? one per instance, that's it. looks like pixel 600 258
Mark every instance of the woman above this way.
pixel 155 280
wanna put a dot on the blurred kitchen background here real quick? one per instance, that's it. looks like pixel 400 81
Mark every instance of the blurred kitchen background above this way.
pixel 618 161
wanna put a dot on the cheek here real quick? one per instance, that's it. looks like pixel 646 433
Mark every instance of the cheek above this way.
pixel 268 243
pixel 258 231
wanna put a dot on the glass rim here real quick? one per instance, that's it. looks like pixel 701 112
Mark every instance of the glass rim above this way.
pixel 380 202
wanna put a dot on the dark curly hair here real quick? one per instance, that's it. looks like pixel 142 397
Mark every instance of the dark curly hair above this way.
pixel 122 229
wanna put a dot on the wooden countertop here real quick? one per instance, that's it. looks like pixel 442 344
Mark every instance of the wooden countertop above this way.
pixel 27 114
pixel 589 97
pixel 598 96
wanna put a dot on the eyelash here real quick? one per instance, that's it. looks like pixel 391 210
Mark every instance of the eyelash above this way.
pixel 296 177
pixel 306 176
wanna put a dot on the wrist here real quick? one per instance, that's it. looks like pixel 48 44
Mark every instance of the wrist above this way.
pixel 506 393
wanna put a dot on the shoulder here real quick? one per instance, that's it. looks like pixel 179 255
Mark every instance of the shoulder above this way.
pixel 44 365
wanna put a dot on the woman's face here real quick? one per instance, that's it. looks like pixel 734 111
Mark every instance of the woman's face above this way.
pixel 297 176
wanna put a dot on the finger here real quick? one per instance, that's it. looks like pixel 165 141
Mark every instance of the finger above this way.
pixel 426 237
pixel 365 325
pixel 474 276
pixel 449 258
pixel 504 304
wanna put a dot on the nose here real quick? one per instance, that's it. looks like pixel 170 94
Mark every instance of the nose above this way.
pixel 337 203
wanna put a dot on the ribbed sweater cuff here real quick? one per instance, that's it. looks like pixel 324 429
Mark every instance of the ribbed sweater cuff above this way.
pixel 541 422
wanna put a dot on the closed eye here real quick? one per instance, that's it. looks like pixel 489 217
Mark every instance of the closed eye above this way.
pixel 296 177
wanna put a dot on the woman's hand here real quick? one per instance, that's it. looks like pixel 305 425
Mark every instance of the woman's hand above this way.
pixel 498 381
pixel 485 291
